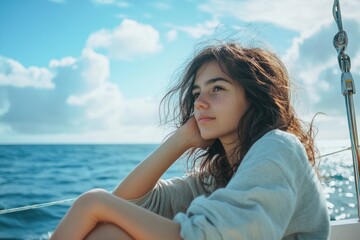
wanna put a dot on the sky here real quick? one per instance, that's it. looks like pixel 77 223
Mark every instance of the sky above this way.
pixel 94 71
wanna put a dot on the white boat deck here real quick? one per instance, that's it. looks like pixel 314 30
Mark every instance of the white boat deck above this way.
pixel 345 230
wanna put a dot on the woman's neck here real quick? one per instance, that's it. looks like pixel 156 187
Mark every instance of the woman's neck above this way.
pixel 230 152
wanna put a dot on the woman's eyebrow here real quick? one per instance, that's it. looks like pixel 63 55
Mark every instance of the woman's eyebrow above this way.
pixel 212 80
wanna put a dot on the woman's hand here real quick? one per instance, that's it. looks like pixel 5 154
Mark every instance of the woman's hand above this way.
pixel 190 134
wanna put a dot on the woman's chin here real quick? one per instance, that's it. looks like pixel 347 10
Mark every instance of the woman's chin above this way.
pixel 207 136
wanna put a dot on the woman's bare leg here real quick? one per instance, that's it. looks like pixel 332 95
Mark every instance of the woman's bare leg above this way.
pixel 80 220
pixel 100 206
pixel 108 231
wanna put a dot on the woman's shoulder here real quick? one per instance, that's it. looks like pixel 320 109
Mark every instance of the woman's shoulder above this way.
pixel 279 147
pixel 279 140
pixel 281 136
pixel 277 152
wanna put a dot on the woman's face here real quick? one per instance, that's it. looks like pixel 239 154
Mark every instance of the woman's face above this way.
pixel 219 103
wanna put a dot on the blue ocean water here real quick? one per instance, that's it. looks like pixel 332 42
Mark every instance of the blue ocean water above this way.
pixel 32 174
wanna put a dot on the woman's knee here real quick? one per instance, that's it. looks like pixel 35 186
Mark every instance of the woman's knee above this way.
pixel 91 198
pixel 93 194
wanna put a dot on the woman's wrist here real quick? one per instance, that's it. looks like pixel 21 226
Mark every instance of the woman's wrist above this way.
pixel 181 140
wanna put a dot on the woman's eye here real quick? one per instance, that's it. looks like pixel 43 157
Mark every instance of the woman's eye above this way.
pixel 195 96
pixel 217 88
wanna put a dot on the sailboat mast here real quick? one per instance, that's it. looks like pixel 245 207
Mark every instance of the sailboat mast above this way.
pixel 348 90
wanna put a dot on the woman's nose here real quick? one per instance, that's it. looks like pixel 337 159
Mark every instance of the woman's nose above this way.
pixel 201 102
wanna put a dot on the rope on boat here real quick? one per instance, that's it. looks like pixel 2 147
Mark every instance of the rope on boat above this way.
pixel 42 205
pixel 332 153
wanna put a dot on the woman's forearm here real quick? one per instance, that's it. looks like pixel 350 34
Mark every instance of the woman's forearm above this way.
pixel 144 177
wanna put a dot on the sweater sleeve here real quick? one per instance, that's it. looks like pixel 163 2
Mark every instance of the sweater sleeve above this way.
pixel 171 196
pixel 258 202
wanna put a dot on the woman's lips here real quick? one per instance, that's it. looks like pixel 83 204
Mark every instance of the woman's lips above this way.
pixel 205 119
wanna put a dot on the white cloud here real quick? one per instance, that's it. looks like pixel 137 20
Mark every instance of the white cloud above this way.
pixel 103 103
pixel 66 61
pixel 141 112
pixel 128 40
pixel 74 98
pixel 199 30
pixel 171 35
pixel 126 134
pixel 83 102
pixel 5 129
pixel 356 63
pixel 13 73
pixel 329 127
pixel 95 67
pixel 300 16
pixel 102 92
pixel 4 105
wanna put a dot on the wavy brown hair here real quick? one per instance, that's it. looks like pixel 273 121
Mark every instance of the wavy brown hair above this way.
pixel 267 87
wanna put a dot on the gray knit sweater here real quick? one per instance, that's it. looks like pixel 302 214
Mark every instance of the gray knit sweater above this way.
pixel 274 194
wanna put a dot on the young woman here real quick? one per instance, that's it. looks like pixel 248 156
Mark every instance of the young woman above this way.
pixel 253 178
